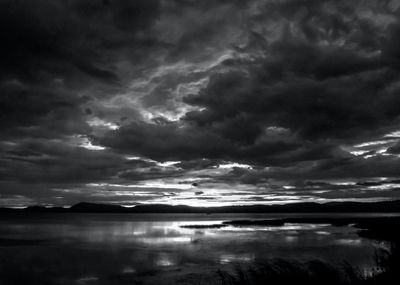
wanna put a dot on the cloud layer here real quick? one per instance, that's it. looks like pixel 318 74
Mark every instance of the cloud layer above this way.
pixel 199 102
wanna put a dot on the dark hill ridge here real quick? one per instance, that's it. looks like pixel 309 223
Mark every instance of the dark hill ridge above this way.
pixel 91 207
pixel 331 207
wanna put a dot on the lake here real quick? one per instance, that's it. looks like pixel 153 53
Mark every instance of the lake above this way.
pixel 156 249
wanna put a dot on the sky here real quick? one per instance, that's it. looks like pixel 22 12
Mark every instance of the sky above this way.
pixel 199 102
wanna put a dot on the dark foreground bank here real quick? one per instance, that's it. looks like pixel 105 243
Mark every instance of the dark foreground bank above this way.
pixel 387 269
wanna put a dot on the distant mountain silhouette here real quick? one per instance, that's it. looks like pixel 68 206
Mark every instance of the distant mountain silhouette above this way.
pixel 91 207
pixel 331 207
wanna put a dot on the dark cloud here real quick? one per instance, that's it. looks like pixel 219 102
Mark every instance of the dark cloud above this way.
pixel 33 111
pixel 69 39
pixel 43 161
pixel 104 96
pixel 394 149
pixel 293 98
pixel 141 174
pixel 345 168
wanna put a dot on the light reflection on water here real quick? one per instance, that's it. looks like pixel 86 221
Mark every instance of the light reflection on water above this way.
pixel 237 258
pixel 88 248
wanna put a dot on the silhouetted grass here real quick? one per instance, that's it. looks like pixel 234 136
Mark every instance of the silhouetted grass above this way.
pixel 317 272
pixel 387 268
pixel 293 272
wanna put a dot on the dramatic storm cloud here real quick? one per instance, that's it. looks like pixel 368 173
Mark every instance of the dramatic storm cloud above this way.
pixel 210 102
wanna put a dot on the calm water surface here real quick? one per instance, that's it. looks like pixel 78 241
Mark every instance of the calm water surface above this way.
pixel 155 249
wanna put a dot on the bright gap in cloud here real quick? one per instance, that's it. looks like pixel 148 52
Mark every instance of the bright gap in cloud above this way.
pixel 86 143
pixel 167 163
pixel 96 122
pixel 395 134
pixel 233 165
pixel 374 143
